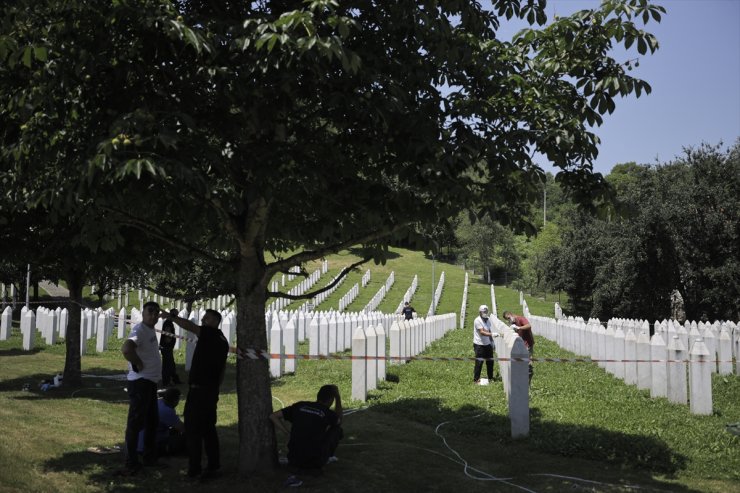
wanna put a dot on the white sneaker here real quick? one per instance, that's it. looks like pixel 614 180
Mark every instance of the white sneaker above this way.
pixel 331 459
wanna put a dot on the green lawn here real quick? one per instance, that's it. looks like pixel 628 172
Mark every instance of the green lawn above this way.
pixel 585 425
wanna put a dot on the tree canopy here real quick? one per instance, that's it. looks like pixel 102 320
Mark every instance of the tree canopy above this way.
pixel 228 131
pixel 680 230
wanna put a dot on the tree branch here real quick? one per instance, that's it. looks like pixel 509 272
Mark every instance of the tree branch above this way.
pixel 306 255
pixel 151 229
pixel 342 274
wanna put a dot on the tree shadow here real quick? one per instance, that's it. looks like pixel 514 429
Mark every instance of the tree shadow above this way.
pixel 18 352
pixel 102 469
pixel 102 389
pixel 365 467
pixel 637 457
pixel 361 252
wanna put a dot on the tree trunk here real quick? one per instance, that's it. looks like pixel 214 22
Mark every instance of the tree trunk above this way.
pixel 73 360
pixel 257 446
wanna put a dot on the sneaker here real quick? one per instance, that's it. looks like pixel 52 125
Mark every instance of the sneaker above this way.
pixel 293 482
pixel 332 459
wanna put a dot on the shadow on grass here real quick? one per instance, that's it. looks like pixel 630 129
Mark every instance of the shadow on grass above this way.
pixel 101 469
pixel 361 252
pixel 392 433
pixel 102 384
pixel 18 352
pixel 636 452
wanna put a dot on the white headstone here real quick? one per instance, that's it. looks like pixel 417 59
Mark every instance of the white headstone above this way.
pixel 724 351
pixel 519 390
pixel 371 346
pixel 290 343
pixel 6 323
pixel 380 332
pixel 276 348
pixel 658 367
pixel 644 379
pixel 700 379
pixel 677 391
pixel 102 337
pixel 359 366
pixel 29 331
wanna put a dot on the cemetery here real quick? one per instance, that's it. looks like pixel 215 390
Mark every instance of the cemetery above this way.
pixel 418 372
pixel 291 178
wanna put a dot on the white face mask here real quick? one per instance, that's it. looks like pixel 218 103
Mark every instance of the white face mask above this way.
pixel 484 316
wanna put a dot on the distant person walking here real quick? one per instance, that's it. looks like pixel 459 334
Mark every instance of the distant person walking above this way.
pixel 482 344
pixel 522 327
pixel 141 350
pixel 408 311
pixel 170 431
pixel 167 348
pixel 206 374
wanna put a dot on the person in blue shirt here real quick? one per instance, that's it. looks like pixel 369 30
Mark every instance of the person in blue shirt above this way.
pixel 170 430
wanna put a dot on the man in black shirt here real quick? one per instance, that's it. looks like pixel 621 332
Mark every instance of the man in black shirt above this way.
pixel 315 430
pixel 206 375
pixel 408 311
pixel 166 348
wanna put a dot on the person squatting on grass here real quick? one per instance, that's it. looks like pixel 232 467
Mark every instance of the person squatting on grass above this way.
pixel 482 344
pixel 141 350
pixel 206 375
pixel 170 431
pixel 522 327
pixel 315 429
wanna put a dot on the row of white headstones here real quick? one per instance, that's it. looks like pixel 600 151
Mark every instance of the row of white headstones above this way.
pixel 676 362
pixel 374 339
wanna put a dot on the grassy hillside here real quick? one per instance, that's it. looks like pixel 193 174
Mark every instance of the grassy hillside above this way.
pixel 417 432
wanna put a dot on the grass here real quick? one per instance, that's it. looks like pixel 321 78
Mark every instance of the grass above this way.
pixel 584 423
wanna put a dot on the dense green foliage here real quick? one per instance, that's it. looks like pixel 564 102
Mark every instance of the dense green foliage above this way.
pixel 679 229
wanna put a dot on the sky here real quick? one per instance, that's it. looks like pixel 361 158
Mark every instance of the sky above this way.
pixel 695 77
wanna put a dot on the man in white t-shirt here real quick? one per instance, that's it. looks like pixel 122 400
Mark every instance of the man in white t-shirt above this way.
pixel 141 350
pixel 482 344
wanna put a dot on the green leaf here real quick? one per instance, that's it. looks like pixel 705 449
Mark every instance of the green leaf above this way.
pixel 26 59
pixel 192 39
pixel 641 46
pixel 41 53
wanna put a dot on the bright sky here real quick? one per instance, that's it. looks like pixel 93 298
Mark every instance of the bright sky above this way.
pixel 695 76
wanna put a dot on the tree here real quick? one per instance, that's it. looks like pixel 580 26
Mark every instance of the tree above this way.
pixel 534 252
pixel 235 130
pixel 678 229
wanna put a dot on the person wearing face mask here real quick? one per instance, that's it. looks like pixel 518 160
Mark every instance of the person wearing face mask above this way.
pixel 522 327
pixel 482 344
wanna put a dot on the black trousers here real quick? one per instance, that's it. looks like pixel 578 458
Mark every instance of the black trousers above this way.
pixel 200 429
pixel 483 352
pixel 143 414
pixel 327 448
pixel 169 371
